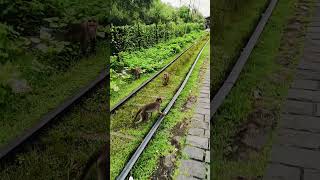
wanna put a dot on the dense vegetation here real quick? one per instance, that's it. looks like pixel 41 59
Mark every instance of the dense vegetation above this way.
pixel 149 40
pixel 128 38
pixel 150 60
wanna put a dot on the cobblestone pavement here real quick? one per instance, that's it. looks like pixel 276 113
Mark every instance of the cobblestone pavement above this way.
pixel 198 138
pixel 295 154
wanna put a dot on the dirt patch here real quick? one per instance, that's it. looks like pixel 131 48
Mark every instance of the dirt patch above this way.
pixel 252 136
pixel 188 104
pixel 167 163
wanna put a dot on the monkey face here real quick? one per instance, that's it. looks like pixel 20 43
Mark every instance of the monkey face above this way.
pixel 159 99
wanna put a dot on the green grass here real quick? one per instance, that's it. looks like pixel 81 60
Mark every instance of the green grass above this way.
pixel 258 74
pixel 153 58
pixel 63 150
pixel 160 145
pixel 48 92
pixel 121 121
pixel 228 42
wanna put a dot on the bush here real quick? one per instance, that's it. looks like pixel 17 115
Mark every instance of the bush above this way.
pixel 130 38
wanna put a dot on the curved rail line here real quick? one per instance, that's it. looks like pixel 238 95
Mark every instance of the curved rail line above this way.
pixel 122 101
pixel 10 149
pixel 237 68
pixel 136 90
pixel 154 128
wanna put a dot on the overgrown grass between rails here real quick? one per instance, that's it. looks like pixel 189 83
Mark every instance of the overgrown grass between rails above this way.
pixel 236 30
pixel 122 119
pixel 25 110
pixel 262 72
pixel 160 145
pixel 150 60
pixel 62 150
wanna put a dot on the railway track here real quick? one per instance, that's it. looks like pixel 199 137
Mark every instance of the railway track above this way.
pixel 37 138
pixel 226 87
pixel 136 90
pixel 122 131
pixel 22 143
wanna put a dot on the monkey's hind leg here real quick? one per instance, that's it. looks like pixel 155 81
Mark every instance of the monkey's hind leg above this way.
pixel 140 119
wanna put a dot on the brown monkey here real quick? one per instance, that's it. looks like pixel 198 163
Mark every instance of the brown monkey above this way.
pixel 85 33
pixel 148 108
pixel 101 161
pixel 136 72
pixel 166 78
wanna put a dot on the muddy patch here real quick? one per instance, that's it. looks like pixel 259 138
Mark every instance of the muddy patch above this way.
pixel 167 163
pixel 252 136
pixel 189 103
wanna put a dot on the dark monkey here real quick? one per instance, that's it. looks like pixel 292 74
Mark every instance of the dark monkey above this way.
pixel 148 108
pixel 85 33
pixel 136 72
pixel 166 78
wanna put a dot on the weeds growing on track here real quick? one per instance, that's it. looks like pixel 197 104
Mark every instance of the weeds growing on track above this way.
pixel 63 149
pixel 265 73
pixel 122 119
pixel 24 111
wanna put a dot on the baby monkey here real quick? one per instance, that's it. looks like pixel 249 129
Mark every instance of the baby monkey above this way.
pixel 166 78
pixel 136 72
pixel 148 108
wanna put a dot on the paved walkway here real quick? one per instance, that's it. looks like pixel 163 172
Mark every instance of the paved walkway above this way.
pixel 295 154
pixel 198 138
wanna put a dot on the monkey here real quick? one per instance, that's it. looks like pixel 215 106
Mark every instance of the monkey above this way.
pixel 166 78
pixel 100 158
pixel 148 108
pixel 85 33
pixel 136 72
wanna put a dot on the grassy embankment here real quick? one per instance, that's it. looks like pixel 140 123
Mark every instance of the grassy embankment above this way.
pixel 121 122
pixel 154 58
pixel 268 71
pixel 21 111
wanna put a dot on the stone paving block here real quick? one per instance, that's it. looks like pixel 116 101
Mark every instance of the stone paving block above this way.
pixel 199 124
pixel 193 168
pixel 182 177
pixel 201 110
pixel 196 132
pixel 298 138
pixel 304 95
pixel 300 122
pixel 204 95
pixel 199 142
pixel 204 105
pixel 295 156
pixel 207 158
pixel 199 117
pixel 281 172
pixel 207 117
pixel 204 100
pixel 311 175
pixel 207 133
pixel 298 107
pixel 194 153
pixel 317 113
pixel 306 84
pixel 305 74
pixel 309 66
pixel 208 172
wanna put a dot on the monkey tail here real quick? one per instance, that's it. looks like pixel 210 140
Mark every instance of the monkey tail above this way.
pixel 137 114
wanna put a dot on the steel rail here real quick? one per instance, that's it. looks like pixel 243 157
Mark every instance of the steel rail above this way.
pixel 122 101
pixel 16 143
pixel 244 56
pixel 154 128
